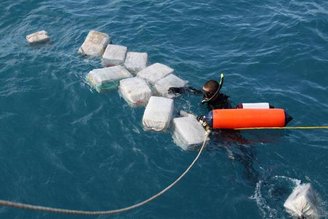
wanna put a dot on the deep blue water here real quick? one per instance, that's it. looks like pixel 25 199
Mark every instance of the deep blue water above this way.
pixel 64 145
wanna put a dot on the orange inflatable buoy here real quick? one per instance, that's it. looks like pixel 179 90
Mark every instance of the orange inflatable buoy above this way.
pixel 247 118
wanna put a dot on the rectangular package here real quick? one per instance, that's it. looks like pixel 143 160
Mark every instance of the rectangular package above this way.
pixel 135 91
pixel 158 113
pixel 302 202
pixel 136 61
pixel 114 55
pixel 162 86
pixel 38 37
pixel 155 72
pixel 94 44
pixel 107 78
pixel 187 132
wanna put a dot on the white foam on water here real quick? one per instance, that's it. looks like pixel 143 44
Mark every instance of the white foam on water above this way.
pixel 265 209
pixel 295 182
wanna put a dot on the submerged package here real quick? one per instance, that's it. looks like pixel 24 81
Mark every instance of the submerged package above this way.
pixel 187 132
pixel 158 113
pixel 155 72
pixel 135 91
pixel 107 78
pixel 94 44
pixel 136 61
pixel 302 202
pixel 38 37
pixel 114 55
pixel 162 86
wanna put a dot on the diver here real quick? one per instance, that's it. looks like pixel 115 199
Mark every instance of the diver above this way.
pixel 211 94
pixel 215 99
pixel 237 147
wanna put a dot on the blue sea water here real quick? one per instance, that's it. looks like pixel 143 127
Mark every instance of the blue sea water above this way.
pixel 64 145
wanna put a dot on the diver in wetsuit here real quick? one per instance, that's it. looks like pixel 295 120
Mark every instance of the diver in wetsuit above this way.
pixel 211 94
pixel 217 100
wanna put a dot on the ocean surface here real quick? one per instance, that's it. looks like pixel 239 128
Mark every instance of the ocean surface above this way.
pixel 64 145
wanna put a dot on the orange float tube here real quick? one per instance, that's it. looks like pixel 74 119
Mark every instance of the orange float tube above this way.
pixel 248 118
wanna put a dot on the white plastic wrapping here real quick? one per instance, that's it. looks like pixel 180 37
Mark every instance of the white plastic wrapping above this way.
pixel 107 78
pixel 302 202
pixel 135 91
pixel 114 55
pixel 187 132
pixel 155 72
pixel 136 61
pixel 255 105
pixel 94 44
pixel 164 84
pixel 38 37
pixel 158 113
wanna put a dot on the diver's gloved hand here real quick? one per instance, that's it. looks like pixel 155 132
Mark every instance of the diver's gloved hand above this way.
pixel 203 122
pixel 175 90
pixel 199 118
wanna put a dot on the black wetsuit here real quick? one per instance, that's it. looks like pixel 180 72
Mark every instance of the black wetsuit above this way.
pixel 221 101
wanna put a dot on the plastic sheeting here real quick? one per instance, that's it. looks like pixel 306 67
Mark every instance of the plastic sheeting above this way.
pixel 187 132
pixel 158 113
pixel 162 86
pixel 94 44
pixel 155 72
pixel 107 78
pixel 302 202
pixel 135 91
pixel 114 55
pixel 136 61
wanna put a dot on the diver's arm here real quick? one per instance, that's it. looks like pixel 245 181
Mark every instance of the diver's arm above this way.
pixel 194 91
pixel 181 90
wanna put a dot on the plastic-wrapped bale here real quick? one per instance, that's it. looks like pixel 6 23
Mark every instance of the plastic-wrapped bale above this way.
pixel 302 202
pixel 38 37
pixel 158 113
pixel 94 44
pixel 155 72
pixel 114 55
pixel 107 78
pixel 164 84
pixel 135 91
pixel 136 61
pixel 187 132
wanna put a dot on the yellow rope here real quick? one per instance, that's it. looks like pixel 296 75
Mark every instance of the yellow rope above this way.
pixel 287 127
pixel 104 212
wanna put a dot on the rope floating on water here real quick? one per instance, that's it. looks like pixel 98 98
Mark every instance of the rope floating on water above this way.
pixel 105 212
pixel 287 127
pixel 13 204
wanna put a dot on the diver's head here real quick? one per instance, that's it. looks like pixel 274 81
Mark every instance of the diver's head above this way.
pixel 210 90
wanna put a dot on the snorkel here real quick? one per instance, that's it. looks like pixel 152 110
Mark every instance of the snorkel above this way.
pixel 207 99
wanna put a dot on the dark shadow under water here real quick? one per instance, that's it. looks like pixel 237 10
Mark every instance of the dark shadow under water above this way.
pixel 241 147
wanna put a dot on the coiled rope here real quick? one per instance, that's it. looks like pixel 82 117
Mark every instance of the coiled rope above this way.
pixel 287 127
pixel 105 212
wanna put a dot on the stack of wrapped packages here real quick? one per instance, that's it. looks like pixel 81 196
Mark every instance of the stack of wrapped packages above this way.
pixel 141 84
